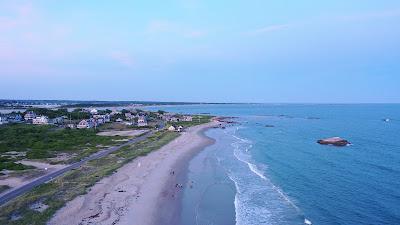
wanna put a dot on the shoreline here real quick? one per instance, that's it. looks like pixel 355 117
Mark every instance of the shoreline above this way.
pixel 142 191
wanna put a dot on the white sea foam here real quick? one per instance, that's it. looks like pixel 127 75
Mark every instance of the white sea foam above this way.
pixel 244 207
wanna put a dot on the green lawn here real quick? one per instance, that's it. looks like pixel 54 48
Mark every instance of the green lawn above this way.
pixel 197 120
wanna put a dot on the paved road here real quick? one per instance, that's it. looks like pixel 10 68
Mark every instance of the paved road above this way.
pixel 27 187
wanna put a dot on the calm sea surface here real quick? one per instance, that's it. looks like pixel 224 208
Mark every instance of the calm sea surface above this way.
pixel 279 175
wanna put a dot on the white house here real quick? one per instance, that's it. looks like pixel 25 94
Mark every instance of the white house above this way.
pixel 41 120
pixel 84 124
pixel 174 119
pixel 30 116
pixel 129 116
pixel 71 125
pixel 119 120
pixel 107 118
pixel 180 129
pixel 142 121
pixel 187 118
pixel 3 120
pixel 171 128
pixel 94 111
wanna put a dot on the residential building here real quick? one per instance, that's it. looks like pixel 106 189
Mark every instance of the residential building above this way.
pixel 171 128
pixel 180 129
pixel 107 118
pixel 119 120
pixel 58 120
pixel 142 121
pixel 84 124
pixel 187 118
pixel 71 125
pixel 115 112
pixel 3 120
pixel 93 111
pixel 40 120
pixel 129 116
pixel 29 116
pixel 174 119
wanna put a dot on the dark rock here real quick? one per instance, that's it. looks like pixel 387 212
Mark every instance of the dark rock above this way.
pixel 336 141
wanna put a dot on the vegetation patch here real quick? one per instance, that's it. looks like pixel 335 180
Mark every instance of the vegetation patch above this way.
pixel 40 142
pixel 74 183
pixel 4 188
pixel 10 164
pixel 197 120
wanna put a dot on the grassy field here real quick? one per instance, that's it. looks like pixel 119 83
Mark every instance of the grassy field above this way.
pixel 197 120
pixel 41 142
pixel 63 189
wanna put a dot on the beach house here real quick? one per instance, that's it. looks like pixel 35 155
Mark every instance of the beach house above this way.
pixel 142 121
pixel 29 116
pixel 58 120
pixel 171 128
pixel 3 120
pixel 40 120
pixel 187 118
pixel 93 111
pixel 84 124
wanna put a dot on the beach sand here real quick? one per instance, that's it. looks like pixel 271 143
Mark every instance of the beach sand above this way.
pixel 142 192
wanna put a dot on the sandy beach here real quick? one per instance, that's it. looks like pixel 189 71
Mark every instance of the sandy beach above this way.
pixel 144 191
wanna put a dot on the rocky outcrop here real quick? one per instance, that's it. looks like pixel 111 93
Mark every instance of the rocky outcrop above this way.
pixel 336 141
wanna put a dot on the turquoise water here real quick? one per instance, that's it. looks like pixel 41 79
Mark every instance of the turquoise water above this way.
pixel 279 174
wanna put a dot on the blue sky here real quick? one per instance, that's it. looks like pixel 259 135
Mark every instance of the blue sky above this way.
pixel 193 50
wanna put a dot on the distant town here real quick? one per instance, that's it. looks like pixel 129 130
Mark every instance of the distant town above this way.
pixel 92 117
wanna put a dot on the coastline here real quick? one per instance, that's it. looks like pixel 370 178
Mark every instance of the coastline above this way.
pixel 141 192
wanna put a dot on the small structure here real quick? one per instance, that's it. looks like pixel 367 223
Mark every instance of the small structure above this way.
pixel 129 116
pixel 16 118
pixel 187 118
pixel 174 119
pixel 71 126
pixel 107 118
pixel 58 120
pixel 115 112
pixel 3 120
pixel 40 120
pixel 142 121
pixel 119 120
pixel 84 124
pixel 29 116
pixel 171 128
pixel 180 129
pixel 94 111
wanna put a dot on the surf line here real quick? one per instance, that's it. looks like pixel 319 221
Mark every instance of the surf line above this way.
pixel 259 173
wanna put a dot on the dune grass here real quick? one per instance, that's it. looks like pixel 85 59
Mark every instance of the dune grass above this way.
pixel 56 193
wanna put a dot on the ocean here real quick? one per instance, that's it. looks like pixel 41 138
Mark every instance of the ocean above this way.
pixel 268 168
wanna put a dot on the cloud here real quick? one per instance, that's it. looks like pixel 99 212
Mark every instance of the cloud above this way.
pixel 268 29
pixel 123 58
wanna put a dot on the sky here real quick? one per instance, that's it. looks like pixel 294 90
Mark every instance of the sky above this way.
pixel 259 51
